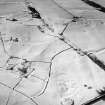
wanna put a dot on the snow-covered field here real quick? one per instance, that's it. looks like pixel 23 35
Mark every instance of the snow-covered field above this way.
pixel 52 52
